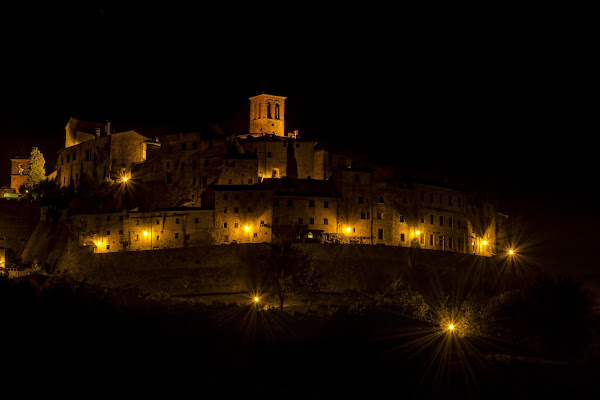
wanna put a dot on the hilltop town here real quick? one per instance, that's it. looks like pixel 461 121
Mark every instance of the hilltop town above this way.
pixel 129 192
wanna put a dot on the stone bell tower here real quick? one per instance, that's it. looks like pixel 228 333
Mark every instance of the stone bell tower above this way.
pixel 267 115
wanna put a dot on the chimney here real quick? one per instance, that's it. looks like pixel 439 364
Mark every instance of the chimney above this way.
pixel 107 127
pixel 97 132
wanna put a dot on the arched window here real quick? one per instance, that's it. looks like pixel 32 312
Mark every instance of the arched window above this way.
pixel 269 110
pixel 277 111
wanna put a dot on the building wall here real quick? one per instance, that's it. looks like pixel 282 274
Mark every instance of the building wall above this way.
pixel 294 216
pixel 134 231
pixel 19 169
pixel 178 172
pixel 243 214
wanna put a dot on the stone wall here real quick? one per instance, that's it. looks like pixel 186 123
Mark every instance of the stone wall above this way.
pixel 18 220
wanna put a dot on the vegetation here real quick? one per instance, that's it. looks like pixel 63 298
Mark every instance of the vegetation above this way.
pixel 37 169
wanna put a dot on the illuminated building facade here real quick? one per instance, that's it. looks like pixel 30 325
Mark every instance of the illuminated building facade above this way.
pixel 208 187
pixel 94 150
pixel 19 170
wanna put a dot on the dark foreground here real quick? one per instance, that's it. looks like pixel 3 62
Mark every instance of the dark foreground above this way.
pixel 86 344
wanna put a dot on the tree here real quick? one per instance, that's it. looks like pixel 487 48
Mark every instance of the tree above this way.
pixel 288 271
pixel 37 169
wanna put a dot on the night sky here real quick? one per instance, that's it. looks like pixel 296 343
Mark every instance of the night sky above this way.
pixel 497 101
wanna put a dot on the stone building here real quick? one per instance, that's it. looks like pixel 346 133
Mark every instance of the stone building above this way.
pixel 19 170
pixel 101 154
pixel 208 187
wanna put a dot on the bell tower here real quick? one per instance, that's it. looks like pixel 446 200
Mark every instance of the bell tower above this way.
pixel 267 115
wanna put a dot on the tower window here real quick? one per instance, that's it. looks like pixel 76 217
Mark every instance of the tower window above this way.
pixel 277 111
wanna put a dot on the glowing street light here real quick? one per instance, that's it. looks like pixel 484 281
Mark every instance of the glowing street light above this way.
pixel 511 252
pixel 99 243
pixel 125 179
pixel 485 242
pixel 418 233
pixel 348 229
pixel 246 228
pixel 145 233
pixel 256 299
pixel 451 327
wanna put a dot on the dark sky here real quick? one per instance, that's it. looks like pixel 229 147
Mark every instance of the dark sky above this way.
pixel 497 98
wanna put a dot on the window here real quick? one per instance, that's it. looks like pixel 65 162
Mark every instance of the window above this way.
pixel 441 241
pixel 450 222
pixel 235 210
pixel 431 219
pixel 235 225
pixel 120 218
pixel 441 199
pixel 87 155
pixel 137 237
pixel 226 238
pixel 325 221
pixel 380 234
pixel 224 224
pixel 107 219
pixel 311 203
pixel 450 243
pixel 402 237
pixel 182 165
pixel 168 164
pixel 194 164
pixel 108 247
pixel 423 239
pixel 183 146
pixel 290 203
pixel 362 215
pixel 120 231
pixel 137 221
pixel 441 220
pixel 379 215
pixel 169 178
pixel 422 219
pixel 107 233
pixel 449 200
pixel 380 199
pixel 357 178
pixel 431 240
pixel 170 149
pixel 300 221
pixel 255 234
pixel 431 197
pixel 402 218
pixel 195 146
pixel 177 220
pixel 459 244
pixel 297 144
pixel 157 238
pixel 326 204
pixel 459 202
pixel 422 195
pixel 269 154
pixel 177 234
pixel 276 220
pixel 459 223
pixel 225 196
pixel 250 181
pixel 206 163
pixel 157 222
pixel 311 221
pixel 193 180
pixel 236 196
pixel 224 211
pixel 74 156
pixel 360 200
pixel 196 220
